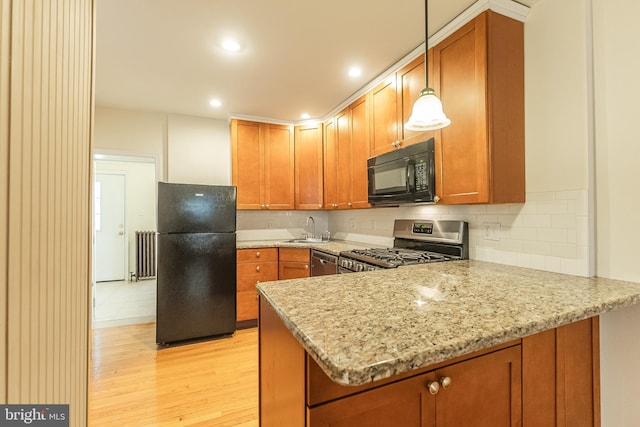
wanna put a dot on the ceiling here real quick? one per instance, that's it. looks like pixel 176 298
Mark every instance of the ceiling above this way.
pixel 165 55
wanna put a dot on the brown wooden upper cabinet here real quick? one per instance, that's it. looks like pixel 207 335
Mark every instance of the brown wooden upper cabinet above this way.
pixel 384 117
pixel 308 167
pixel 479 76
pixel 346 149
pixel 391 106
pixel 263 164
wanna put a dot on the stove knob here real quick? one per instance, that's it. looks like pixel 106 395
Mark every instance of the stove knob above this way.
pixel 359 267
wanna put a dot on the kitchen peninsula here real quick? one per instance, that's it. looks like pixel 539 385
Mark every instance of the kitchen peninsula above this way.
pixel 436 344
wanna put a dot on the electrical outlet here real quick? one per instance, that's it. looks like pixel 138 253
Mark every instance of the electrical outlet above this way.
pixel 352 224
pixel 269 224
pixel 492 231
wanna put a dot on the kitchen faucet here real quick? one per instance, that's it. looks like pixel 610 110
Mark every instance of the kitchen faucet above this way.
pixel 313 230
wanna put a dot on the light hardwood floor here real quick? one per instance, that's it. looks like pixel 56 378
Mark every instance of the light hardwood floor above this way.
pixel 135 383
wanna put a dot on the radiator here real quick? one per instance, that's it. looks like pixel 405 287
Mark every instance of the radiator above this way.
pixel 145 254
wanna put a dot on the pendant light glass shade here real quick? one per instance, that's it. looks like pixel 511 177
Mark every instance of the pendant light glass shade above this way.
pixel 427 113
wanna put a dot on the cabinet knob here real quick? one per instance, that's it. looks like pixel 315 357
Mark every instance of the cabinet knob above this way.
pixel 258 254
pixel 445 382
pixel 267 206
pixel 306 266
pixel 350 204
pixel 257 268
pixel 436 199
pixel 320 205
pixel 434 387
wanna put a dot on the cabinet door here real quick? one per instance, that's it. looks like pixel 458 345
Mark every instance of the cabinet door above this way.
pixel 411 81
pixel 279 167
pixel 330 165
pixel 308 167
pixel 484 392
pixel 384 116
pixel 480 80
pixel 343 168
pixel 405 403
pixel 359 152
pixel 460 78
pixel 248 154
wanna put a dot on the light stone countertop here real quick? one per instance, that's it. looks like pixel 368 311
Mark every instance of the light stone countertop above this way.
pixel 362 327
pixel 332 246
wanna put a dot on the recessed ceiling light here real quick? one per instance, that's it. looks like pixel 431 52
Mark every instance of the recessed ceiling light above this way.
pixel 230 45
pixel 215 103
pixel 305 116
pixel 355 72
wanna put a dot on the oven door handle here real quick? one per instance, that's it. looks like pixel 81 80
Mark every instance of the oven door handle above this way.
pixel 411 176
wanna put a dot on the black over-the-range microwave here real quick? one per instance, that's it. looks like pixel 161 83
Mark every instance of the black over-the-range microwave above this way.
pixel 403 176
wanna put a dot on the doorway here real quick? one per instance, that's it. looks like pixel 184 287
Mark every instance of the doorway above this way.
pixel 124 202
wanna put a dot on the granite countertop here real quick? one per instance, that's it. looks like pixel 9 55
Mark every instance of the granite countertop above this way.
pixel 362 327
pixel 332 246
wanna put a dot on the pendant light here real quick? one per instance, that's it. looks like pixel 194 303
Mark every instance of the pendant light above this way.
pixel 427 112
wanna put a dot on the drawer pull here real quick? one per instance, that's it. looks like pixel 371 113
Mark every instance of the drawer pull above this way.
pixel 257 268
pixel 258 254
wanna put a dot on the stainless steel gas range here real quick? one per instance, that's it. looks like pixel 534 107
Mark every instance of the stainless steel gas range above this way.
pixel 415 242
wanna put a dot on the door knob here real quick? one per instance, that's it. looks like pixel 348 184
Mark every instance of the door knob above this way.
pixel 120 233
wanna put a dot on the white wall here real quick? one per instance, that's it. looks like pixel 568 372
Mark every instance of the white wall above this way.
pixel 198 151
pixel 555 96
pixel 188 149
pixel 617 67
pixel 130 132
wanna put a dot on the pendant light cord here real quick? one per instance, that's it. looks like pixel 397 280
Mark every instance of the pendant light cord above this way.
pixel 426 43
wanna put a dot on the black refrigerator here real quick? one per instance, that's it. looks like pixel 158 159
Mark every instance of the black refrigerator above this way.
pixel 196 277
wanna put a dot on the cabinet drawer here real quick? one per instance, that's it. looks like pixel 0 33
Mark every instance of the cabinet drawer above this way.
pixel 295 254
pixel 293 270
pixel 246 305
pixel 249 283
pixel 259 254
pixel 263 271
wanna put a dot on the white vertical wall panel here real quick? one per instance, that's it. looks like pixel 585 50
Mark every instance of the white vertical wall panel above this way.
pixel 48 159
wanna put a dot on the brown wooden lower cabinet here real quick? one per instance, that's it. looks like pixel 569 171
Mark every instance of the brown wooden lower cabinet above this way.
pixel 294 263
pixel 253 266
pixel 484 392
pixel 548 379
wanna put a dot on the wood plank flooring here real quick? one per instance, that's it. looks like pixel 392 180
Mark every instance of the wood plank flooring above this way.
pixel 133 382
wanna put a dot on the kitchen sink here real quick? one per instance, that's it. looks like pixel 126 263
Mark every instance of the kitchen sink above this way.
pixel 307 240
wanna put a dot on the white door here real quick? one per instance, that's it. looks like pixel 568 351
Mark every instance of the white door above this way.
pixel 110 251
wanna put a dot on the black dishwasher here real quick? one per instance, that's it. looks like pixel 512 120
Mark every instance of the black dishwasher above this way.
pixel 323 264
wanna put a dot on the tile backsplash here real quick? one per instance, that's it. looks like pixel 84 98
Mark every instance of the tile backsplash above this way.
pixel 548 232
